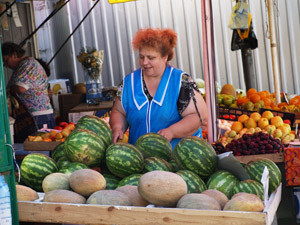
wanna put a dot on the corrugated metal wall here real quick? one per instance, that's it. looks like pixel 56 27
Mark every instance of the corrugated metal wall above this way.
pixel 111 27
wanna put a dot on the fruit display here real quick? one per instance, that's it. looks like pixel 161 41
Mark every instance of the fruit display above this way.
pixel 126 177
pixel 266 127
pixel 59 133
pixel 251 144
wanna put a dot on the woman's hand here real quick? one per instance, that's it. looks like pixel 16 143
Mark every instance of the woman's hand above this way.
pixel 117 134
pixel 167 133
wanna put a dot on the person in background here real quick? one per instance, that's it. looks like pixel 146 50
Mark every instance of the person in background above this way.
pixel 29 83
pixel 157 97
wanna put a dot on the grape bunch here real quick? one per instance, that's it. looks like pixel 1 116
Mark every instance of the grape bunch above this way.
pixel 254 144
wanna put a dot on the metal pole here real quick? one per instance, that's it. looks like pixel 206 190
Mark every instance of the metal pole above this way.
pixel 248 68
pixel 248 65
pixel 209 69
pixel 273 44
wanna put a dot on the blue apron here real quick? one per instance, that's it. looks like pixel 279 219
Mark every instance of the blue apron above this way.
pixel 144 116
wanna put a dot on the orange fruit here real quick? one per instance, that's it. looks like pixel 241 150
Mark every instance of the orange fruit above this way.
pixel 242 100
pixel 281 104
pixel 243 118
pixel 237 126
pixel 251 91
pixel 254 98
pixel 262 94
pixel 294 101
pixel 267 101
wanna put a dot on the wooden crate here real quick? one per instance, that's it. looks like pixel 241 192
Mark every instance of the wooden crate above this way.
pixel 99 214
pixel 275 157
pixel 40 145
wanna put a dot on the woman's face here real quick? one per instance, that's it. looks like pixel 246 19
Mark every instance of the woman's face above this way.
pixel 10 61
pixel 151 62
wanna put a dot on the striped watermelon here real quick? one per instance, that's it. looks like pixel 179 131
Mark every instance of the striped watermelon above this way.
pixel 34 168
pixel 84 146
pixel 112 181
pixel 58 152
pixel 73 166
pixel 62 162
pixel 174 165
pixel 249 186
pixel 223 181
pixel 194 183
pixel 154 145
pixel 197 155
pixel 153 163
pixel 132 179
pixel 255 170
pixel 124 159
pixel 97 125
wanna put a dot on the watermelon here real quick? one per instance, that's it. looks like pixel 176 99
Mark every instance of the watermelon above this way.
pixel 62 162
pixel 154 145
pixel 112 181
pixel 58 152
pixel 124 159
pixel 223 181
pixel 255 170
pixel 249 186
pixel 195 154
pixel 174 165
pixel 84 146
pixel 73 166
pixel 194 183
pixel 132 179
pixel 153 163
pixel 34 168
pixel 97 125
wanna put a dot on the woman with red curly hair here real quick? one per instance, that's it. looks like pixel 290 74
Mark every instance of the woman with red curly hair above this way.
pixel 157 98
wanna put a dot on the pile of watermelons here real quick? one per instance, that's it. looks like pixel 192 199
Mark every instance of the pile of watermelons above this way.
pixel 192 163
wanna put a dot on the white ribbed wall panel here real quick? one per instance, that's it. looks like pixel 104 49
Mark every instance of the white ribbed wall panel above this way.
pixel 111 27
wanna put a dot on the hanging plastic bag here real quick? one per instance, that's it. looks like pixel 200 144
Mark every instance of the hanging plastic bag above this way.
pixel 5 208
pixel 239 16
pixel 244 39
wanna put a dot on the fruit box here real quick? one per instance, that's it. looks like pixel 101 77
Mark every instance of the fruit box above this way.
pixel 109 214
pixel 232 113
pixel 292 166
pixel 40 145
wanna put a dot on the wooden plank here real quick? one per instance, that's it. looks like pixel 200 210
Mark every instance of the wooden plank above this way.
pixel 276 157
pixel 40 145
pixel 97 214
pixel 84 107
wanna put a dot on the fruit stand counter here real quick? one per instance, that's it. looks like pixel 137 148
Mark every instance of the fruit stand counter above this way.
pixel 98 214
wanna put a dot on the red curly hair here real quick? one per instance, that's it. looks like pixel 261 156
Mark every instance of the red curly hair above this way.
pixel 162 40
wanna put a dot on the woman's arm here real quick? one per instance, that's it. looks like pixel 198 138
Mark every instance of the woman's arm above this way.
pixel 190 121
pixel 118 121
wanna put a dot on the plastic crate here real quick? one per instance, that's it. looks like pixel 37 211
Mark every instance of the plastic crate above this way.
pixel 284 115
pixel 232 114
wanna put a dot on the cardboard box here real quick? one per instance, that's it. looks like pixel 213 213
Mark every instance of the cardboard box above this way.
pixel 59 86
pixel 292 166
